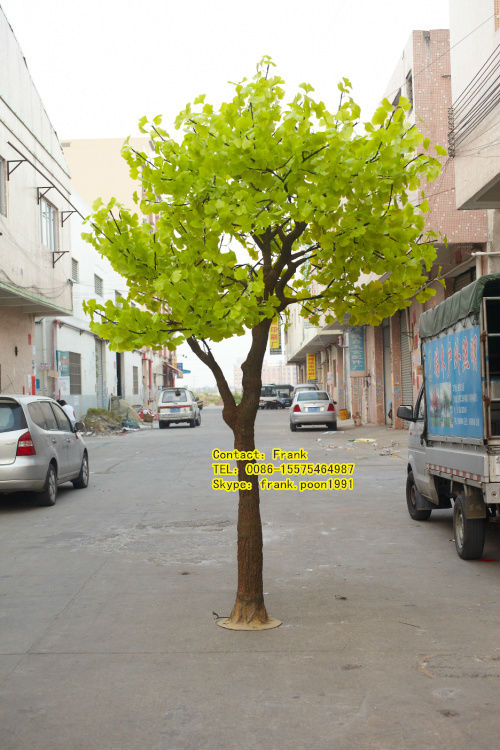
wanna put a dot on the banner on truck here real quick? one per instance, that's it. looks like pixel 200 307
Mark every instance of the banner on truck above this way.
pixel 453 384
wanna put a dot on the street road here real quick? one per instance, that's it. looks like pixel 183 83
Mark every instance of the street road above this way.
pixel 107 637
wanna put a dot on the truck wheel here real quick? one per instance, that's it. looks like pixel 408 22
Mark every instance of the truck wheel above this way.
pixel 411 501
pixel 469 532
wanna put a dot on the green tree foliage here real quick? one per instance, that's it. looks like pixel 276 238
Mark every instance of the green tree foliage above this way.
pixel 253 203
pixel 306 194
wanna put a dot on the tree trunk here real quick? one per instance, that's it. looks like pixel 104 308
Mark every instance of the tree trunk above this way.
pixel 249 611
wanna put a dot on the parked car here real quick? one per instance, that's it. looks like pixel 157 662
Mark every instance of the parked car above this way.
pixel 312 408
pixel 284 395
pixel 177 405
pixel 39 448
pixel 304 387
pixel 269 397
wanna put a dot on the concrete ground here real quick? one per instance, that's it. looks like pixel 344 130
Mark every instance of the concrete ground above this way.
pixel 107 632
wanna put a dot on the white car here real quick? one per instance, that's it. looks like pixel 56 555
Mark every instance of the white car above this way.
pixel 312 408
pixel 177 405
pixel 304 387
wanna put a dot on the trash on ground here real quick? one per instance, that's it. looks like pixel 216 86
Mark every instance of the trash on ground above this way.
pixel 339 596
pixel 102 422
pixel 130 424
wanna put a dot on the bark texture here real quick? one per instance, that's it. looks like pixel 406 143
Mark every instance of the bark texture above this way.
pixel 249 607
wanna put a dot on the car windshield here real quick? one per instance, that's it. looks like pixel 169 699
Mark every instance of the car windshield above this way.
pixel 11 416
pixel 313 396
pixel 267 390
pixel 174 397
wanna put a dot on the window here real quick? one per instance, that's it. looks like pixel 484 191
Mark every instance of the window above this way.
pixel 3 186
pixel 75 271
pixel 174 397
pixel 409 88
pixel 48 225
pixel 98 285
pixel 62 420
pixel 118 298
pixel 11 417
pixel 75 373
pixel 135 380
pixel 42 415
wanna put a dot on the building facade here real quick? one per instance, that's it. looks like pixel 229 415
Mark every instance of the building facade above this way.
pixel 34 233
pixel 372 370
pixel 474 116
pixel 99 171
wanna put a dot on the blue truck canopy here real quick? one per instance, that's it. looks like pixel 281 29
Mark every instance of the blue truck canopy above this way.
pixel 460 305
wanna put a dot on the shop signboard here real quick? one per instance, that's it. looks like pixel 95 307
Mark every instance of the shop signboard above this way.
pixel 311 367
pixel 275 337
pixel 357 350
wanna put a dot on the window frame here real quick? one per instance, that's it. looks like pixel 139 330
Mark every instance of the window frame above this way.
pixel 98 284
pixel 49 225
pixel 75 373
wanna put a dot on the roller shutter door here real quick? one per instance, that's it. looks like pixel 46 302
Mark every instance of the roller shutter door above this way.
pixel 406 381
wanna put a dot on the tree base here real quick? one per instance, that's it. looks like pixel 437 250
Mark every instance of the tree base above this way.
pixel 252 625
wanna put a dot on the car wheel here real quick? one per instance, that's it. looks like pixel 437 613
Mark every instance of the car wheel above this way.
pixel 199 420
pixel 469 532
pixel 293 427
pixel 82 480
pixel 192 422
pixel 411 501
pixel 48 495
pixel 331 426
pixel 163 425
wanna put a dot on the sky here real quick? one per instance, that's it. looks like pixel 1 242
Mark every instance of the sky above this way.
pixel 101 65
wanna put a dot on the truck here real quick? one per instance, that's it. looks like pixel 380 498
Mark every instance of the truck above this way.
pixel 454 427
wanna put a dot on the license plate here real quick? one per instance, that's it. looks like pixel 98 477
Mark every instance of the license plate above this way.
pixel 174 410
pixel 314 408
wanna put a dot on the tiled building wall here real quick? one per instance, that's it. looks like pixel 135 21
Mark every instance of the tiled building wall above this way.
pixel 432 98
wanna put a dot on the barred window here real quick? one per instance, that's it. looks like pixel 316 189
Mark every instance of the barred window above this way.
pixel 409 88
pixel 135 380
pixel 98 285
pixel 48 225
pixel 75 271
pixel 75 373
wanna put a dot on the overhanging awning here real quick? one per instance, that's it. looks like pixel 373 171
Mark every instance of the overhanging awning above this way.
pixel 171 367
pixel 16 298
pixel 323 338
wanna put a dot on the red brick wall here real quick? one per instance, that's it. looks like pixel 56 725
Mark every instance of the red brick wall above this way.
pixel 432 98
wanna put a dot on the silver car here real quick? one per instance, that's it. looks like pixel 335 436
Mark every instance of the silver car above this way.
pixel 178 405
pixel 39 447
pixel 312 408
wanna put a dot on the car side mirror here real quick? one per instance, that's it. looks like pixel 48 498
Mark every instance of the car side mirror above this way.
pixel 79 427
pixel 335 403
pixel 406 413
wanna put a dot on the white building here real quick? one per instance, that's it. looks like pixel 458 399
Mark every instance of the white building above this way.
pixel 474 141
pixel 88 372
pixel 34 236
pixel 99 170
